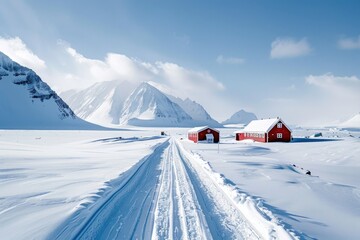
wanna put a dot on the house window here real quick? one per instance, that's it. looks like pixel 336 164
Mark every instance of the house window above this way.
pixel 279 125
pixel 279 135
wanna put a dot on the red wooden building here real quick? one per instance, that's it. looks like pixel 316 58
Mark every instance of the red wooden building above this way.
pixel 204 134
pixel 265 130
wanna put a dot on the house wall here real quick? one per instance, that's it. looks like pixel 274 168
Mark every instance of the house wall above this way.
pixel 273 135
pixel 193 136
pixel 254 136
pixel 202 135
pixel 286 134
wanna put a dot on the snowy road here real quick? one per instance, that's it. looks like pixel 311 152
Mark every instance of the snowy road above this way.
pixel 166 196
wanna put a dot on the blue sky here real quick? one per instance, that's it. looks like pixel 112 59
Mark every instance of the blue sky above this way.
pixel 295 59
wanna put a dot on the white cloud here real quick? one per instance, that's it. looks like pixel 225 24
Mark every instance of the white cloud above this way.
pixel 82 72
pixel 321 100
pixel 86 71
pixel 331 97
pixel 289 48
pixel 229 60
pixel 16 49
pixel 343 86
pixel 349 43
pixel 72 70
pixel 186 79
pixel 76 71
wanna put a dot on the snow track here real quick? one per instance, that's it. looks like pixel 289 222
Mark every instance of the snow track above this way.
pixel 178 214
pixel 166 196
pixel 224 219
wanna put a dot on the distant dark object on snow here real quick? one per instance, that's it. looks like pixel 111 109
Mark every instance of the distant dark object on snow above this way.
pixel 317 135
pixel 308 172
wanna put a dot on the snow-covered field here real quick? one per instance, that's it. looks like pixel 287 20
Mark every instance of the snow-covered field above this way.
pixel 136 184
pixel 325 205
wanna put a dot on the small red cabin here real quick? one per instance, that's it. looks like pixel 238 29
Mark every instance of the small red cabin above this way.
pixel 265 130
pixel 205 134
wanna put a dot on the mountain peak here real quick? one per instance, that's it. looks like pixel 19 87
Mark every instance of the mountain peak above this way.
pixel 147 87
pixel 147 106
pixel 240 117
pixel 7 64
pixel 108 103
pixel 353 122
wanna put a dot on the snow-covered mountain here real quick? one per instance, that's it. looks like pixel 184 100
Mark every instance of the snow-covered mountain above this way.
pixel 100 103
pixel 196 111
pixel 26 102
pixel 353 122
pixel 147 106
pixel 240 117
pixel 124 103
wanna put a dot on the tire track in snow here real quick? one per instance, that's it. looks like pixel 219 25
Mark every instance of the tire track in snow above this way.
pixel 127 213
pixel 193 221
pixel 178 214
pixel 225 221
pixel 163 223
pixel 167 196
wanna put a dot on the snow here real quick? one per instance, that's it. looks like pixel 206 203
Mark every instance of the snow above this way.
pixel 353 122
pixel 240 117
pixel 147 106
pixel 101 103
pixel 26 102
pixel 196 111
pixel 137 184
pixel 323 205
pixel 123 103
pixel 263 125
pixel 46 176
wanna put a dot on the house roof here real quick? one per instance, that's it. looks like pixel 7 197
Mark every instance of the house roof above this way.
pixel 199 129
pixel 264 125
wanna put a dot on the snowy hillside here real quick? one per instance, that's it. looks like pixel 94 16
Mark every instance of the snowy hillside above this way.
pixel 26 102
pixel 147 106
pixel 196 111
pixel 240 117
pixel 101 103
pixel 353 122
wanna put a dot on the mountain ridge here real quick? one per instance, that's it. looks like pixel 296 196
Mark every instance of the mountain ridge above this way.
pixel 150 107
pixel 240 117
pixel 99 100
pixel 27 102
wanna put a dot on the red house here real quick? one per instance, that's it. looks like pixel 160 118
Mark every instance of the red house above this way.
pixel 265 130
pixel 205 134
